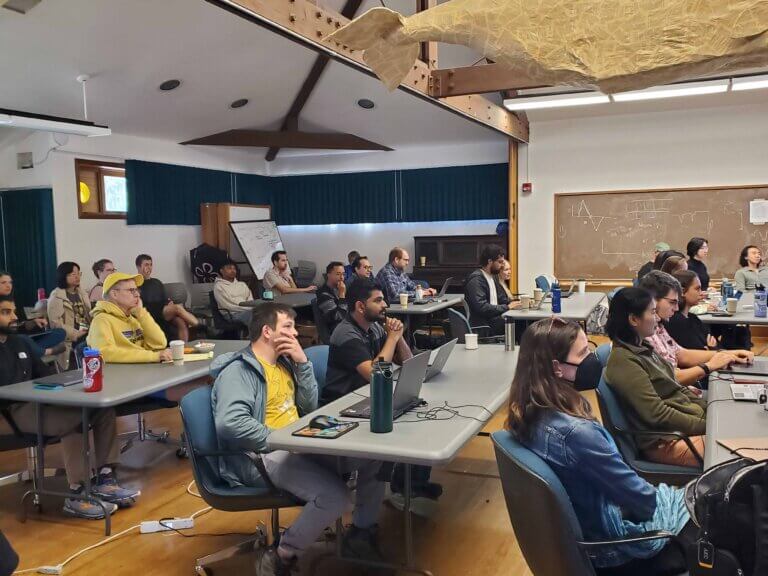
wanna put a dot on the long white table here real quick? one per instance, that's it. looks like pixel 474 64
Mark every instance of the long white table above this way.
pixel 478 377
pixel 745 314
pixel 122 383
pixel 295 300
pixel 577 307
pixel 727 418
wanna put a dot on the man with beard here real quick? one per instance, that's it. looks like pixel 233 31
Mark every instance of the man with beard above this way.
pixel 485 297
pixel 19 362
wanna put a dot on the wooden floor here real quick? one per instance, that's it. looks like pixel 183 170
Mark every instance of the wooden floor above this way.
pixel 469 533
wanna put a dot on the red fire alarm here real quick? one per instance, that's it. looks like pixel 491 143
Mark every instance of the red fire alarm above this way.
pixel 527 188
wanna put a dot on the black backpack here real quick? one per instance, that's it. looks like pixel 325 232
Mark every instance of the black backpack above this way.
pixel 729 504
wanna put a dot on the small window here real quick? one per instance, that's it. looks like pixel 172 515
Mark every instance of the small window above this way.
pixel 100 189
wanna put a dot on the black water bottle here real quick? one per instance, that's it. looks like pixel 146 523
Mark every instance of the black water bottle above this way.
pixel 381 397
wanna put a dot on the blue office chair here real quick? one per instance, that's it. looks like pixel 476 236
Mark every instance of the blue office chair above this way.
pixel 318 355
pixel 542 514
pixel 542 283
pixel 200 429
pixel 617 425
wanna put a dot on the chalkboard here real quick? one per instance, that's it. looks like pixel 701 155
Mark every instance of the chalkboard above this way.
pixel 258 239
pixel 610 235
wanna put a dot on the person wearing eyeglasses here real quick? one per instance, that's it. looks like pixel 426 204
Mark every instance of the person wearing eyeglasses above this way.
pixel 690 365
pixel 101 269
pixel 393 279
pixel 361 268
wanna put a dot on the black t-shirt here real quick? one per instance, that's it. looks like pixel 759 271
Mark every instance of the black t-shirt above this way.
pixel 153 298
pixel 701 271
pixel 19 362
pixel 350 345
pixel 689 332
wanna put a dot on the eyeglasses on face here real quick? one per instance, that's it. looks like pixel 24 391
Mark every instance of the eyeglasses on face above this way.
pixel 133 291
pixel 673 301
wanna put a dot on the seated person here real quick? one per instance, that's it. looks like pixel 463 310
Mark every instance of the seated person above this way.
pixel 393 279
pixel 47 342
pixel 101 269
pixel 269 385
pixel 685 326
pixel 752 271
pixel 331 296
pixel 69 307
pixel 166 313
pixel 504 276
pixel 349 268
pixel 125 332
pixel 365 335
pixel 690 366
pixel 549 417
pixel 674 264
pixel 229 292
pixel 485 297
pixel 362 268
pixel 279 278
pixel 19 362
pixel 648 266
pixel 645 383
pixel 662 257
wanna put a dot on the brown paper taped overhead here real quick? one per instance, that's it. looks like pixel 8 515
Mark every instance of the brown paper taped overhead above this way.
pixel 610 45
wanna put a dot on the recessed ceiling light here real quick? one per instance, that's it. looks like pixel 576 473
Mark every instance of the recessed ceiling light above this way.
pixel 239 103
pixel 169 85
pixel 365 103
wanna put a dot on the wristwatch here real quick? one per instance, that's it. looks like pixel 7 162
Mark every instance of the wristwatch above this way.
pixel 706 369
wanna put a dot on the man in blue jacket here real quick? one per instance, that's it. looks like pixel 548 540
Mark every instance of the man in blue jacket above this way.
pixel 267 386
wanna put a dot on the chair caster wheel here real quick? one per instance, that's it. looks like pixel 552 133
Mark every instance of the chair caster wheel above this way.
pixel 182 453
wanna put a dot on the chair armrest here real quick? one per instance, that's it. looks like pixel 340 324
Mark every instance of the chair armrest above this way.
pixel 645 537
pixel 679 435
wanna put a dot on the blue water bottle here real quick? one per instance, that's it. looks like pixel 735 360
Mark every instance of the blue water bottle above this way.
pixel 761 302
pixel 556 300
pixel 381 397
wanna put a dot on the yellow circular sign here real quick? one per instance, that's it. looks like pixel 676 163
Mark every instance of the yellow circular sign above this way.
pixel 85 193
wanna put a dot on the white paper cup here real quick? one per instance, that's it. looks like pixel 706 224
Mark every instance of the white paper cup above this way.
pixel 731 304
pixel 177 351
pixel 582 286
pixel 538 294
pixel 423 260
pixel 470 341
pixel 525 301
pixel 404 300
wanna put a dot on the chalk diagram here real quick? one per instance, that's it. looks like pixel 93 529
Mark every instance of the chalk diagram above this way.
pixel 582 211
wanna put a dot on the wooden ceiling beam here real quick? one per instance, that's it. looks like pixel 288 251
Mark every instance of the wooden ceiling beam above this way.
pixel 482 79
pixel 287 139
pixel 309 24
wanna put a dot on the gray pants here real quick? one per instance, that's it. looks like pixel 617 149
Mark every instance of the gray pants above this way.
pixel 65 422
pixel 317 480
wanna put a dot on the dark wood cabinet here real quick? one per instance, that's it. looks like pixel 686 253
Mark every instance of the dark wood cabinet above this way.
pixel 450 256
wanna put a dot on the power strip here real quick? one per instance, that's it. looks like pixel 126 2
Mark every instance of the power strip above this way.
pixel 150 526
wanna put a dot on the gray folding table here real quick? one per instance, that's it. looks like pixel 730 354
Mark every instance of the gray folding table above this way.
pixel 474 382
pixel 576 307
pixel 122 383
pixel 447 301
pixel 728 418
pixel 295 300
pixel 745 314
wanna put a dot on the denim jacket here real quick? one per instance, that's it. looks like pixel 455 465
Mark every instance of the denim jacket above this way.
pixel 610 500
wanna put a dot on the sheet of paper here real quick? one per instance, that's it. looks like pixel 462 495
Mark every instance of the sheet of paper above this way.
pixel 754 448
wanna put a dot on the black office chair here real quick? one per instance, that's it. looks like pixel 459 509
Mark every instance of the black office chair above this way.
pixel 542 515
pixel 224 323
pixel 617 425
pixel 460 327
pixel 322 328
pixel 204 453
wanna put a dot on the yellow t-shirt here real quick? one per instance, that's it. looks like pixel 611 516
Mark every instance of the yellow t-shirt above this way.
pixel 281 403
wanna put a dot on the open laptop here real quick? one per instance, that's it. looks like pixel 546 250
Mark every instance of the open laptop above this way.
pixel 570 291
pixel 747 392
pixel 443 353
pixel 407 390
pixel 758 368
pixel 439 297
pixel 68 378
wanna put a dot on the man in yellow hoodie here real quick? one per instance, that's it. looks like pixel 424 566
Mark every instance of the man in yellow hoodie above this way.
pixel 125 332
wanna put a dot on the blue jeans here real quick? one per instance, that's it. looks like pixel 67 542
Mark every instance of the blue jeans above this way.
pixel 44 340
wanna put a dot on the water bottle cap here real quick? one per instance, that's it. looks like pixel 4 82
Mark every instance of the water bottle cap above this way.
pixel 91 352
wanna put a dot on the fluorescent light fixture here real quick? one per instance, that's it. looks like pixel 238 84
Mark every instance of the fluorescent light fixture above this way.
pixel 673 91
pixel 51 124
pixel 749 83
pixel 556 101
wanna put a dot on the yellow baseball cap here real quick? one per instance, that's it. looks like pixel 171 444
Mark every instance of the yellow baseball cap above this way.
pixel 116 277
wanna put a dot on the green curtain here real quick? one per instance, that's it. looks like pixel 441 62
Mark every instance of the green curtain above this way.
pixel 455 193
pixel 30 241
pixel 171 194
pixel 253 189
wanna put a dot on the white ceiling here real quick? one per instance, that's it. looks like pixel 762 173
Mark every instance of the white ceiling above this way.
pixel 130 47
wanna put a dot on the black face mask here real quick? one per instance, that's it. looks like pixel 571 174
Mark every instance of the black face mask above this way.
pixel 588 373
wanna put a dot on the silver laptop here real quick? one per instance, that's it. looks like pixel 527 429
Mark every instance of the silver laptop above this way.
pixel 758 368
pixel 443 353
pixel 406 394
pixel 440 296
pixel 747 392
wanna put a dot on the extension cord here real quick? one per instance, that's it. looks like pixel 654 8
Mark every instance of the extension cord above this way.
pixel 150 526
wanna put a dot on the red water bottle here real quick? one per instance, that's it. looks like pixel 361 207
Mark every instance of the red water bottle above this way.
pixel 93 370
pixel 41 294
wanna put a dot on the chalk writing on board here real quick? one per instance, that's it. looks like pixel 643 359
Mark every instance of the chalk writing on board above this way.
pixel 258 241
pixel 582 211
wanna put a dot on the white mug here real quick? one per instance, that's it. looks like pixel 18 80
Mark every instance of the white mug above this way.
pixel 582 286
pixel 470 341
pixel 177 351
